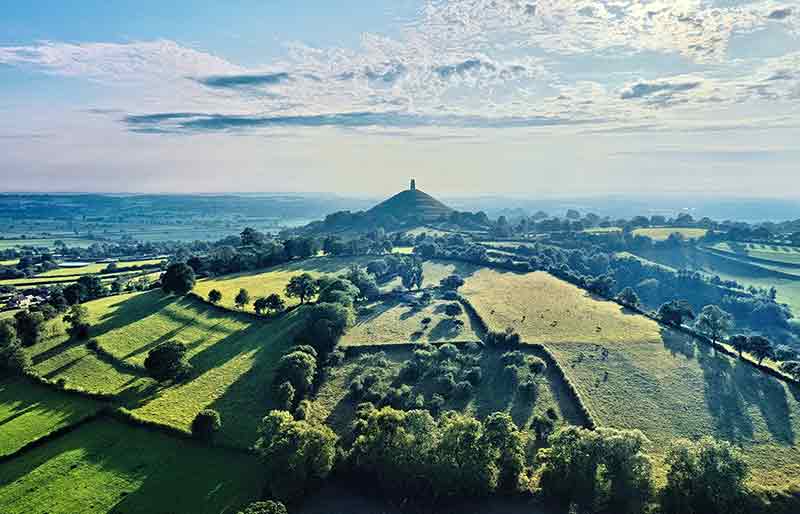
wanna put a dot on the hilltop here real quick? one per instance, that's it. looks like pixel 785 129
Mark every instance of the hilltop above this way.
pixel 411 205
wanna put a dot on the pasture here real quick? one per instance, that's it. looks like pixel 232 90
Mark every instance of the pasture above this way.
pixel 96 268
pixel 106 466
pixel 9 242
pixel 663 233
pixel 394 321
pixel 29 411
pixel 634 374
pixel 335 406
pixel 775 253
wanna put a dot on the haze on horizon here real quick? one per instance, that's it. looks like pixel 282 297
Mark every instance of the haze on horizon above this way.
pixel 547 97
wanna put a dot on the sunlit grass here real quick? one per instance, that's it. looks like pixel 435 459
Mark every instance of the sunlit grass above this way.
pixel 663 233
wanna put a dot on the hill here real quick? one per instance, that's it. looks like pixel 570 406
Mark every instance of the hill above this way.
pixel 411 205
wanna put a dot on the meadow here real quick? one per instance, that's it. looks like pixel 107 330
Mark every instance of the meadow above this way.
pixel 39 280
pixel 663 233
pixel 631 373
pixel 773 253
pixel 95 268
pixel 107 466
pixel 394 321
pixel 332 404
pixel 29 411
pixel 8 243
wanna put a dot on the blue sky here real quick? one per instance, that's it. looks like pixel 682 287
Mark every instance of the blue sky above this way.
pixel 548 97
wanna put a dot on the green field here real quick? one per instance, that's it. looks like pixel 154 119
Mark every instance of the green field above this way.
pixel 404 250
pixel 9 243
pixel 663 233
pixel 29 411
pixel 233 356
pixel 8 314
pixel 105 466
pixel 660 382
pixel 397 322
pixel 11 262
pixel 39 280
pixel 95 268
pixel 777 253
pixel 602 230
pixel 333 405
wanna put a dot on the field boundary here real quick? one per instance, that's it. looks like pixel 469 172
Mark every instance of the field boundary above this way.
pixel 747 258
pixel 743 262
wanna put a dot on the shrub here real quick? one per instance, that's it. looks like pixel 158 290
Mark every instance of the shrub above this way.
pixel 303 410
pixel 507 339
pixel 29 327
pixel 178 279
pixel 542 426
pixel 515 358
pixel 214 296
pixel 452 282
pixel 267 507
pixel 474 375
pixel 463 390
pixel 13 359
pixel 299 369
pixel 284 396
pixel 435 404
pixel 78 320
pixel 205 424
pixel 529 389
pixel 450 296
pixel 426 321
pixel 167 361
pixel 535 364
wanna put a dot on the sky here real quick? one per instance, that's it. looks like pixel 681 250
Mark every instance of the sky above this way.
pixel 523 97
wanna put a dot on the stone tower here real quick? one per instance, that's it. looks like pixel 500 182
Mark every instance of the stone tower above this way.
pixel 413 185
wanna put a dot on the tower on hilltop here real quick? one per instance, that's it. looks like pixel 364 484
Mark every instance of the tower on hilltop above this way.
pixel 413 185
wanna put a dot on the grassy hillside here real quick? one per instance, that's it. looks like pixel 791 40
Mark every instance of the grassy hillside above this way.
pixel 334 406
pixel 634 374
pixel 106 466
pixel 397 322
pixel 29 411
pixel 232 354
pixel 545 309
pixel 274 280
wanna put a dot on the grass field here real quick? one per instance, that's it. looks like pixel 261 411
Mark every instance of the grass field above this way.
pixel 233 356
pixel 39 280
pixel 404 250
pixel 397 322
pixel 333 405
pixel 545 309
pixel 95 268
pixel 5 244
pixel 29 411
pixel 776 253
pixel 633 374
pixel 662 234
pixel 10 262
pixel 105 466
pixel 602 230
pixel 8 314
pixel 274 280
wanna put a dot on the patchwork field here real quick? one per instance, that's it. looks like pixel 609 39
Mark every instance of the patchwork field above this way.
pixel 106 466
pixel 233 356
pixel 774 253
pixel 95 268
pixel 545 309
pixel 7 243
pixel 662 234
pixel 333 405
pixel 602 230
pixel 29 411
pixel 38 280
pixel 634 374
pixel 397 322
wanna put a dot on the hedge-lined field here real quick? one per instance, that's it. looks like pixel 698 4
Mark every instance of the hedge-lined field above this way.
pixel 393 321
pixel 334 406
pixel 545 309
pixel 6 244
pixel 663 233
pixel 106 466
pixel 94 268
pixel 29 411
pixel 777 253
pixel 635 374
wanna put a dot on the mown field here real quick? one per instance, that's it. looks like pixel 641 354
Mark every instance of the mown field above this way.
pixel 396 322
pixel 95 268
pixel 634 374
pixel 333 405
pixel 663 233
pixel 233 356
pixel 776 253
pixel 38 280
pixel 8 243
pixel 29 411
pixel 106 466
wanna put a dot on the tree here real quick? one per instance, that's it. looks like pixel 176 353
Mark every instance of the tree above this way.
pixel 284 396
pixel 215 296
pixel 267 507
pixel 327 323
pixel 411 273
pixel 703 477
pixel 78 320
pixel 466 463
pixel 242 299
pixel 453 309
pixel 252 237
pixel 791 368
pixel 92 287
pixel 761 348
pixel 451 282
pixel 628 297
pixel 503 434
pixel 674 312
pixel 740 343
pixel 179 279
pixel 713 322
pixel 205 424
pixel 298 368
pixel 274 303
pixel 301 286
pixel 542 427
pixel 13 359
pixel 295 453
pixel 29 326
pixel 363 281
pixel 167 361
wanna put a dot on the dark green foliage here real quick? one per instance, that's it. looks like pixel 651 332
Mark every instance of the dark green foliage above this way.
pixel 713 322
pixel 272 303
pixel 77 319
pixel 628 297
pixel 303 410
pixel 507 339
pixel 603 470
pixel 242 299
pixel 296 454
pixel 503 434
pixel 363 281
pixel 453 309
pixel 167 361
pixel 267 507
pixel 411 273
pixel 13 360
pixel 542 426
pixel 760 347
pixel 707 476
pixel 284 396
pixel 675 312
pixel 740 343
pixel 536 365
pixel 178 279
pixel 206 424
pixel 303 287
pixel 791 368
pixel 214 296
pixel 299 369
pixel 452 282
pixel 29 326
pixel 528 389
pixel 326 324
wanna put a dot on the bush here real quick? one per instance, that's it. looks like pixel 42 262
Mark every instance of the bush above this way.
pixel 78 320
pixel 29 327
pixel 507 339
pixel 13 359
pixel 267 507
pixel 205 424
pixel 167 361
pixel 299 369
pixel 474 375
pixel 463 390
pixel 284 396
pixel 303 410
pixel 178 279
pixel 214 296
pixel 535 364
pixel 529 389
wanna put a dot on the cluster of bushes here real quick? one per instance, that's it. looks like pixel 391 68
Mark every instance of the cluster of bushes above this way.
pixel 13 359
pixel 167 361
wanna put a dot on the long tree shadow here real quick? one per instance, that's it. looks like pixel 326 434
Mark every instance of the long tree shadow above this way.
pixel 724 399
pixel 135 308
pixel 769 394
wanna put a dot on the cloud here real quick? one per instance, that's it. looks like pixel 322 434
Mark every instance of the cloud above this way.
pixel 248 80
pixel 780 14
pixel 664 90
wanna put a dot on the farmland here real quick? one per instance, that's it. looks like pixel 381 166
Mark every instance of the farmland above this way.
pixel 29 411
pixel 95 268
pixel 107 466
pixel 633 374
pixel 9 243
pixel 663 233
pixel 774 253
